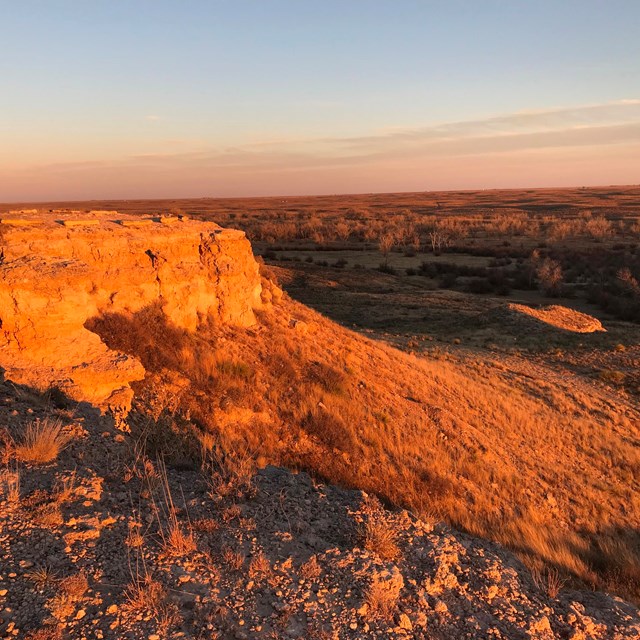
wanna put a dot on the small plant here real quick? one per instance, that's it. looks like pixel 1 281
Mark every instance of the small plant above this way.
pixel 235 369
pixel 179 542
pixel 48 632
pixel 48 515
pixel 147 597
pixel 42 577
pixel 176 541
pixel 65 489
pixel 381 600
pixel 230 472
pixel 71 589
pixel 548 581
pixel 612 376
pixel 10 485
pixel 42 441
pixel 233 559
pixel 74 586
pixel 259 567
pixel 134 539
pixel 206 525
pixel 379 536
pixel 310 570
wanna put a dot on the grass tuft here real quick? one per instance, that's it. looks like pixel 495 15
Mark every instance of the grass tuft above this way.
pixel 42 442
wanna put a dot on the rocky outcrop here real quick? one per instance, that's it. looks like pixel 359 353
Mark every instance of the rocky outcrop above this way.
pixel 60 270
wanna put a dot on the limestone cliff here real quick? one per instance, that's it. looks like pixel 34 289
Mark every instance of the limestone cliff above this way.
pixel 60 270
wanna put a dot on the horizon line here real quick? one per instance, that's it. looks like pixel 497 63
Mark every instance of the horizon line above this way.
pixel 324 195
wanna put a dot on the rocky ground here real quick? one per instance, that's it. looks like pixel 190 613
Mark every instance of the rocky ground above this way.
pixel 105 542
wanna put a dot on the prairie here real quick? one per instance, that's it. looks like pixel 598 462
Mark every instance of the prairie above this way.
pixel 400 364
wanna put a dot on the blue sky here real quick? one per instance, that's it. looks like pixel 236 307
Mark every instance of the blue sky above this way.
pixel 158 99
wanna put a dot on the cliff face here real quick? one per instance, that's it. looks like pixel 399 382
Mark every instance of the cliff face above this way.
pixel 59 271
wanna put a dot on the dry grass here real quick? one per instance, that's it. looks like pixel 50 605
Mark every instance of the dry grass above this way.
pixel 48 515
pixel 179 542
pixel 64 490
pixel 10 485
pixel 311 569
pixel 549 581
pixel 42 577
pixel 452 437
pixel 380 537
pixel 49 632
pixel 232 558
pixel 206 525
pixel 74 586
pixel 381 601
pixel 70 591
pixel 230 473
pixel 148 597
pixel 177 538
pixel 42 442
pixel 134 539
pixel 259 567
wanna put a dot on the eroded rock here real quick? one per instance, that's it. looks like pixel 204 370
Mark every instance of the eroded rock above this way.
pixel 60 271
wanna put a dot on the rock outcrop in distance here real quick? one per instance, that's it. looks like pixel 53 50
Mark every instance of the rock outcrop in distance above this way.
pixel 60 270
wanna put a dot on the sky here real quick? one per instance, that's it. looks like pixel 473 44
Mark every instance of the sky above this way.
pixel 202 98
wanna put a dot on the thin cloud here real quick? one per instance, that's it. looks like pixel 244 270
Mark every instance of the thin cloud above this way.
pixel 589 132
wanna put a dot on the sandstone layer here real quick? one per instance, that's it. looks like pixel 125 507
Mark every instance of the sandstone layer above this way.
pixel 60 270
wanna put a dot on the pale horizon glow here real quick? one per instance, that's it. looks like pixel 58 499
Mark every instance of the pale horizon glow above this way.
pixel 271 99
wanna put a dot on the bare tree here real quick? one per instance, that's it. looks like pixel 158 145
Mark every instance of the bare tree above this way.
pixel 386 242
pixel 549 274
pixel 629 282
pixel 438 240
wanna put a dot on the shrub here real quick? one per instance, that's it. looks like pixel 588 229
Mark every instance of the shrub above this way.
pixel 385 268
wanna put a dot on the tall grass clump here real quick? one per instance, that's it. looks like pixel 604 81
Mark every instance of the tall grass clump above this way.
pixel 42 441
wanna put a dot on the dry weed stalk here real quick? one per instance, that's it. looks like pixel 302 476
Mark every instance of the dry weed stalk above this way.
pixel 10 485
pixel 176 541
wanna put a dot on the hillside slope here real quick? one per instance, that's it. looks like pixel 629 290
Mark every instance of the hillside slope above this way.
pixel 106 542
pixel 502 448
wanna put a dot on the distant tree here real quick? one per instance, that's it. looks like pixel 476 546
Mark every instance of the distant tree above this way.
pixel 342 230
pixel 629 282
pixel 386 242
pixel 549 274
pixel 438 240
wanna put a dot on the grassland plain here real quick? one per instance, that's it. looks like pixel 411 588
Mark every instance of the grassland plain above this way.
pixel 437 398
